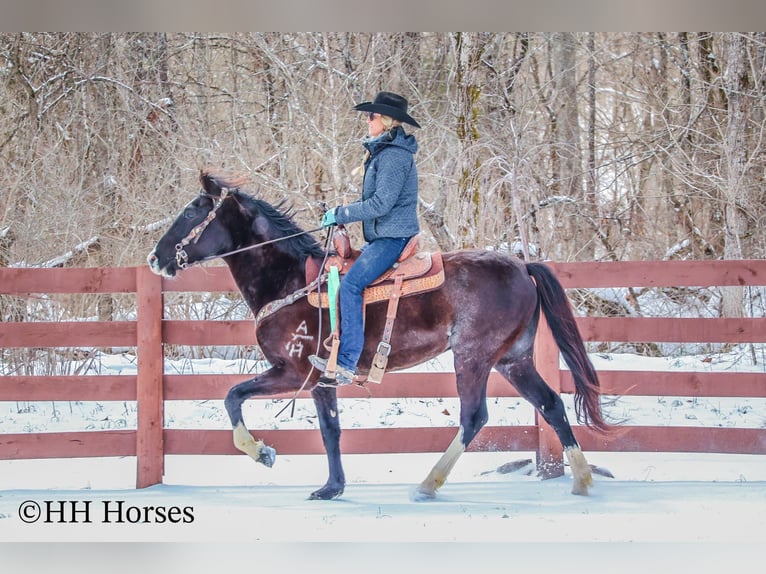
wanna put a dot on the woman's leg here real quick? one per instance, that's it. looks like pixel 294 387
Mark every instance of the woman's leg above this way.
pixel 375 259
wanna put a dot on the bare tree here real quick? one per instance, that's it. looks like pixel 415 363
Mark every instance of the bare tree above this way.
pixel 736 188
pixel 576 146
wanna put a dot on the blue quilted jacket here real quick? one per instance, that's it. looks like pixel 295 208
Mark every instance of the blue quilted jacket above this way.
pixel 388 207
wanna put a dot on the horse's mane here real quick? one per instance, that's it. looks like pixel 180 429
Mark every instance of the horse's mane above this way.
pixel 281 223
pixel 222 179
pixel 280 218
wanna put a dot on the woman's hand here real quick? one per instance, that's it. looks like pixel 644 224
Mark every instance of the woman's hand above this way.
pixel 329 218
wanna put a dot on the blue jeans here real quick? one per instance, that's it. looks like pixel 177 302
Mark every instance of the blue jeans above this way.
pixel 377 256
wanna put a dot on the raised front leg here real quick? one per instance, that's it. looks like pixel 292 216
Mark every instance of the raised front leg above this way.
pixel 326 402
pixel 273 381
pixel 255 449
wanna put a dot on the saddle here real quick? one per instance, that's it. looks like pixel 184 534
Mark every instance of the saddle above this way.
pixel 419 271
pixel 414 272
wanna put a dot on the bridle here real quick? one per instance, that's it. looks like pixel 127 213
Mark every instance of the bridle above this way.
pixel 182 258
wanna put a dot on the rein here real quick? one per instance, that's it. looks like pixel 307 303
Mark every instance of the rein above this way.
pixel 182 258
pixel 289 300
pixel 261 244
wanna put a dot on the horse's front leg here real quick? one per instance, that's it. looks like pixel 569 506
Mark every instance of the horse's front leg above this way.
pixel 326 402
pixel 271 382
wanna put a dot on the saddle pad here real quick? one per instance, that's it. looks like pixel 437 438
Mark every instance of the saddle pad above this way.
pixel 380 289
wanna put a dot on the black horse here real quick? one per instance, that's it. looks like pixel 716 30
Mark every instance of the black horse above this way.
pixel 487 312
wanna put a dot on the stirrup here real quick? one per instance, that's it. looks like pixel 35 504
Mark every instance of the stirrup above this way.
pixel 341 378
pixel 318 363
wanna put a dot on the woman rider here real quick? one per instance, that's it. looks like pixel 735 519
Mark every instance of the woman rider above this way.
pixel 388 212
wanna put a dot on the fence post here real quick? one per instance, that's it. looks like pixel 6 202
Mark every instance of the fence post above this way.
pixel 550 454
pixel 149 435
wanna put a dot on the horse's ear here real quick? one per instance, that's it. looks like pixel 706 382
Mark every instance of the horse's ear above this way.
pixel 209 183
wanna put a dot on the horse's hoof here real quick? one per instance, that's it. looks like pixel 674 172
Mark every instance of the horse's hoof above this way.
pixel 581 485
pixel 326 493
pixel 267 456
pixel 420 494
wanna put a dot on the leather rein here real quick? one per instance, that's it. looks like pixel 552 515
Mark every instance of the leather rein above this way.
pixel 182 258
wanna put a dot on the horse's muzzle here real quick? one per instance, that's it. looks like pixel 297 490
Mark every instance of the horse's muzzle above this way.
pixel 154 265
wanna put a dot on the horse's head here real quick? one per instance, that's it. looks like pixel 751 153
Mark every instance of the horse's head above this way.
pixel 198 233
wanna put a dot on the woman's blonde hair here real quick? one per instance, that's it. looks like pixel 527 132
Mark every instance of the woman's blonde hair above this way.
pixel 389 122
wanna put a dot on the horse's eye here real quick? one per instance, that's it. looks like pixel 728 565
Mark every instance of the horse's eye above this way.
pixel 189 213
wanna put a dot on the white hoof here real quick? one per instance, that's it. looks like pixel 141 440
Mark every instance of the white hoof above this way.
pixel 581 475
pixel 256 450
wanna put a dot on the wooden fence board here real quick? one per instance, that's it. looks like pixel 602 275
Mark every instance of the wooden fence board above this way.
pixel 353 440
pixel 385 440
pixel 68 444
pixel 672 330
pixel 209 333
pixel 682 383
pixel 68 334
pixel 675 439
pixel 149 391
pixel 593 274
pixel 549 451
pixel 68 388
pixel 394 385
pixel 23 281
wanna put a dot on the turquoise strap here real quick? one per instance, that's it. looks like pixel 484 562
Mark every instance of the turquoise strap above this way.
pixel 333 284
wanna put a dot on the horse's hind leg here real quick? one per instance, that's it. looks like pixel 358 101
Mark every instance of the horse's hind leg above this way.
pixel 439 473
pixel 524 377
pixel 472 389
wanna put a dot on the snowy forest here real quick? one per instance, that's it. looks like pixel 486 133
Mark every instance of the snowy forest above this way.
pixel 558 146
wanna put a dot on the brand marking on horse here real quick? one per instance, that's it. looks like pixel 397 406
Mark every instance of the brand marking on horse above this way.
pixel 294 346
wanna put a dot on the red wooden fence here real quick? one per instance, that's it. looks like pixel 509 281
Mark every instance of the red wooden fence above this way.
pixel 150 442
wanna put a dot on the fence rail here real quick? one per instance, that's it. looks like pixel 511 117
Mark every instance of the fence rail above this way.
pixel 150 387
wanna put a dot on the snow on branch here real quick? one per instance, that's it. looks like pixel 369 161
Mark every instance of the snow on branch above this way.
pixel 675 249
pixel 149 227
pixel 62 259
pixel 554 199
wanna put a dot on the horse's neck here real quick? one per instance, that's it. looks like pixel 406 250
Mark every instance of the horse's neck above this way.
pixel 261 282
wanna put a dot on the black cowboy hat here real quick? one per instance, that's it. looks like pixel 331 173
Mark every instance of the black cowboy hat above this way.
pixel 388 104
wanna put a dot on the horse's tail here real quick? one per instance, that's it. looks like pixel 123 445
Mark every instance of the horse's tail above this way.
pixel 558 313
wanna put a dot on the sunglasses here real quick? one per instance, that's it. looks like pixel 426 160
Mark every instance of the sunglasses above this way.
pixel 371 115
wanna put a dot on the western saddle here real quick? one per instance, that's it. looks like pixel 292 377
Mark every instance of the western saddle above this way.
pixel 414 272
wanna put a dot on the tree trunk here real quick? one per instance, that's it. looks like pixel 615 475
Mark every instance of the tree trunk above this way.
pixel 568 151
pixel 468 51
pixel 736 190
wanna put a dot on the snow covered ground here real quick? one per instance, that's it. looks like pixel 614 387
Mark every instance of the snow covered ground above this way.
pixel 654 497
pixel 661 511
